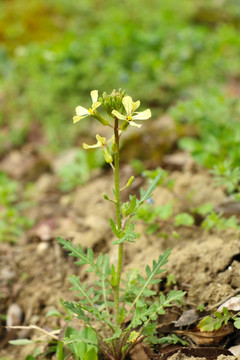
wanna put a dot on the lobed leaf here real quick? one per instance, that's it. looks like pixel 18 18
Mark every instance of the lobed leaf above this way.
pixel 146 194
pixel 210 323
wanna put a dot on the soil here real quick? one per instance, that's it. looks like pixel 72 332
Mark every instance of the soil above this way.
pixel 34 271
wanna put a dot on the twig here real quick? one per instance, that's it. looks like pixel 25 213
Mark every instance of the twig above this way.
pixel 35 327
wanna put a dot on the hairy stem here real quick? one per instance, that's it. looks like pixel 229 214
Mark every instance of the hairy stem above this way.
pixel 118 219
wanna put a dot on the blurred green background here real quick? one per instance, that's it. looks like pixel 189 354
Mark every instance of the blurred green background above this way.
pixel 179 58
pixel 53 53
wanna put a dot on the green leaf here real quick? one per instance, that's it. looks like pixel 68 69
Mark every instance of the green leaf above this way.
pixel 237 322
pixel 129 235
pixel 81 289
pixel 164 211
pixel 146 194
pixel 207 324
pixel 151 229
pixel 204 209
pixel 83 344
pixel 172 339
pixel 210 323
pixel 131 208
pixel 116 232
pixel 59 351
pixel 53 312
pixel 201 307
pixel 78 253
pixel 115 336
pixel 86 258
pixel 151 273
pixel 183 219
pixel 21 342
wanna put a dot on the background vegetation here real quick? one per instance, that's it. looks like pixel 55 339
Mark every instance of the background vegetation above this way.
pixel 53 53
pixel 180 58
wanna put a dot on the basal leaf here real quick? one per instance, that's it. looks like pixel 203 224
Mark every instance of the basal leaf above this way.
pixel 83 344
pixel 237 322
pixel 21 342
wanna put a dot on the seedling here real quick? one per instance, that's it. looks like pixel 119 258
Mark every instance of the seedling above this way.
pixel 116 310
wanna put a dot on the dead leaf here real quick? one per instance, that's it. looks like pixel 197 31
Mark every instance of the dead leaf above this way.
pixel 207 338
pixel 235 350
pixel 209 353
pixel 231 304
pixel 187 318
pixel 139 353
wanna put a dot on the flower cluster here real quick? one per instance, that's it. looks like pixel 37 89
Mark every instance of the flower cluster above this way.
pixel 128 117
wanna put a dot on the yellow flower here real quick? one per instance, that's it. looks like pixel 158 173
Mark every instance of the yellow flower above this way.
pixel 83 112
pixel 130 107
pixel 102 143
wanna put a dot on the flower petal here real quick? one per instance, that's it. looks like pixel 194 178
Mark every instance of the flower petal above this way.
pixel 86 146
pixel 101 140
pixel 81 111
pixel 144 115
pixel 136 105
pixel 76 119
pixel 94 96
pixel 95 105
pixel 118 115
pixel 132 123
pixel 128 104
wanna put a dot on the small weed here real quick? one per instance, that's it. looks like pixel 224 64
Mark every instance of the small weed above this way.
pixel 78 172
pixel 12 221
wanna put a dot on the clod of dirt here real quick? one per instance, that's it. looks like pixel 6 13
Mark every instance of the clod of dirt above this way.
pixel 195 268
pixel 24 164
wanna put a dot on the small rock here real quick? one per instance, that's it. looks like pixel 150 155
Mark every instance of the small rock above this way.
pixel 42 247
pixel 14 315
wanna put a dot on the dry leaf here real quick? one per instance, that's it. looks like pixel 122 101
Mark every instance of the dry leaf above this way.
pixel 235 350
pixel 209 353
pixel 207 338
pixel 139 353
pixel 187 318
pixel 231 304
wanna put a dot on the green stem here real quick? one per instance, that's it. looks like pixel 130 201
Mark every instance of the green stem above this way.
pixel 118 219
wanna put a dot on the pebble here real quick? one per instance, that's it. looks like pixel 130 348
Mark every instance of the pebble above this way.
pixel 14 315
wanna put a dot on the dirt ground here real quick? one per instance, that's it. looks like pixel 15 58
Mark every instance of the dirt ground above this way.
pixel 34 271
